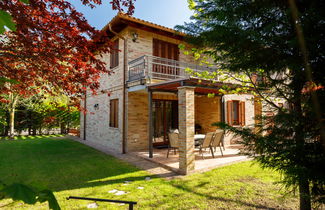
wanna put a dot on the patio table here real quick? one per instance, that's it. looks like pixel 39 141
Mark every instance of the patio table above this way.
pixel 198 138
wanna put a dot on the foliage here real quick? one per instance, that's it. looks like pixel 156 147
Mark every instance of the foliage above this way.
pixel 275 50
pixel 21 192
pixel 42 112
pixel 49 48
pixel 73 169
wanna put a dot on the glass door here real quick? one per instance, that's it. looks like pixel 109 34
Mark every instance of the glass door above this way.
pixel 165 118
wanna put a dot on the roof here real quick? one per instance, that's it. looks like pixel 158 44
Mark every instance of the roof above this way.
pixel 122 20
pixel 201 86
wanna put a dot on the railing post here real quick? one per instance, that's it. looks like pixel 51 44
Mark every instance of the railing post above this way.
pixel 131 206
pixel 145 66
pixel 149 67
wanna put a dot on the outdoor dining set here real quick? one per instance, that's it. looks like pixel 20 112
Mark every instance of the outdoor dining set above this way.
pixel 210 141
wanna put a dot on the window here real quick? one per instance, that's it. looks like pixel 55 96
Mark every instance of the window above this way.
pixel 165 49
pixel 113 114
pixel 114 55
pixel 236 112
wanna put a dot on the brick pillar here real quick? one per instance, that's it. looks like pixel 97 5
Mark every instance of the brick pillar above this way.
pixel 186 128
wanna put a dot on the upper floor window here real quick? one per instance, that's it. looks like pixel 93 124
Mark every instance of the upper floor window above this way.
pixel 165 49
pixel 236 112
pixel 114 54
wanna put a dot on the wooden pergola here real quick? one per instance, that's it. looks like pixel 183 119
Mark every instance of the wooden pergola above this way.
pixel 186 89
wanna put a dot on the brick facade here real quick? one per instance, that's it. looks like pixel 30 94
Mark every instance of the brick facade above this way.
pixel 204 111
pixel 207 111
pixel 186 113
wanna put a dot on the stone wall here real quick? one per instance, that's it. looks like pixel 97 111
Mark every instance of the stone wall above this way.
pixel 97 119
pixel 249 113
pixel 207 111
pixel 137 129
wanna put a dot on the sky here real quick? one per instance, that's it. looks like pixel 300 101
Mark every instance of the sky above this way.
pixel 163 12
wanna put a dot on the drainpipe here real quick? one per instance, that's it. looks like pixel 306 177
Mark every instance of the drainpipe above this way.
pixel 125 66
pixel 85 115
pixel 223 117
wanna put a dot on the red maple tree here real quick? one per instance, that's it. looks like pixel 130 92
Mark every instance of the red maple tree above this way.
pixel 52 48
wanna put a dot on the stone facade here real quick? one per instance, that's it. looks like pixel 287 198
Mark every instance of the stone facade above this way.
pixel 137 121
pixel 97 119
pixel 207 110
pixel 249 113
pixel 186 113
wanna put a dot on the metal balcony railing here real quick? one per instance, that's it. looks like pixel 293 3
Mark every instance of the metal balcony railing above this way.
pixel 152 67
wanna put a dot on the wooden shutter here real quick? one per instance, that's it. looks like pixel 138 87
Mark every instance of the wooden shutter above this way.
pixel 229 112
pixel 113 121
pixel 242 113
pixel 165 49
pixel 114 54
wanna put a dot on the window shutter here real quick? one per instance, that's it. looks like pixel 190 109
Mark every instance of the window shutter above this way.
pixel 229 112
pixel 110 114
pixel 113 121
pixel 242 113
pixel 116 113
pixel 114 54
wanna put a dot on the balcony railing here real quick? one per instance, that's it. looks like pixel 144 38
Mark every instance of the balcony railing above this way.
pixel 152 67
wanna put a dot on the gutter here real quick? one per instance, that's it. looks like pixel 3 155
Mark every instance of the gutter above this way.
pixel 125 66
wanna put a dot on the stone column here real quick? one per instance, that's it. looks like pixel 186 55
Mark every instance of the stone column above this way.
pixel 186 129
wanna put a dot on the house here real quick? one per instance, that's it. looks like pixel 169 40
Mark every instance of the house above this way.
pixel 150 93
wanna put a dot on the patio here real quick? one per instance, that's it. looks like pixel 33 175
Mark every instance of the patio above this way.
pixel 230 155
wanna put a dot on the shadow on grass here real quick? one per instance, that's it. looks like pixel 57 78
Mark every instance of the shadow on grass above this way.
pixel 61 165
pixel 31 137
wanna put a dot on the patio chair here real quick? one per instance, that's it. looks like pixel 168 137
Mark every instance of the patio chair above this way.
pixel 207 143
pixel 173 142
pixel 217 140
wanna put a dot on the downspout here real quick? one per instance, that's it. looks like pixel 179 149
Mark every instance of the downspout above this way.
pixel 223 117
pixel 125 66
pixel 85 115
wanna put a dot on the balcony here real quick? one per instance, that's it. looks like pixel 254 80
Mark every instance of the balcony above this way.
pixel 151 68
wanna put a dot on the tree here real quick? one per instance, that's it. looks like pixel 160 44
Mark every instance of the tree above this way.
pixel 48 49
pixel 45 48
pixel 276 50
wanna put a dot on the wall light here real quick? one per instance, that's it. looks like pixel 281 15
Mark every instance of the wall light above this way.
pixel 135 36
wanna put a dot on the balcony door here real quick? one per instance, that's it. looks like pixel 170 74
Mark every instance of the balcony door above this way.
pixel 166 67
pixel 165 117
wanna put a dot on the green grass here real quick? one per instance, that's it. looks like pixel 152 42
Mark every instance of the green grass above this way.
pixel 70 168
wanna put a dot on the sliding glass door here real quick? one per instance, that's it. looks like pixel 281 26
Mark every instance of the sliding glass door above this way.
pixel 165 118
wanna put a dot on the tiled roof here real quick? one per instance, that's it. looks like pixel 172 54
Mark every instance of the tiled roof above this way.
pixel 121 15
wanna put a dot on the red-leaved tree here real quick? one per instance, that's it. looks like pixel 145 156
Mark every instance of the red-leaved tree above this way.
pixel 52 49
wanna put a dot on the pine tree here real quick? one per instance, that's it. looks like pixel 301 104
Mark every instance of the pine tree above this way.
pixel 282 43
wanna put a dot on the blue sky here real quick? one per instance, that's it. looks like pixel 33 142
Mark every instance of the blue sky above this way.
pixel 163 12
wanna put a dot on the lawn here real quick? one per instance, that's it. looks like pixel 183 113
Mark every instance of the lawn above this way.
pixel 70 168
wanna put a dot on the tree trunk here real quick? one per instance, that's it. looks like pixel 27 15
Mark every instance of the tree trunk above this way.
pixel 304 194
pixel 12 106
pixel 11 122
pixel 62 128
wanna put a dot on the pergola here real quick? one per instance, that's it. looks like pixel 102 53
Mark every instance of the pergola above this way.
pixel 186 89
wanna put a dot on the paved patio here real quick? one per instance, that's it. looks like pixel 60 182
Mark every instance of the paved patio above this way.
pixel 230 155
